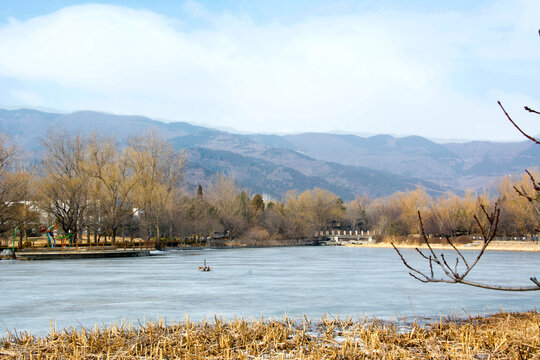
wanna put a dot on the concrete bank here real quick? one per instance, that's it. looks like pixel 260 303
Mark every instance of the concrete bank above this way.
pixel 85 254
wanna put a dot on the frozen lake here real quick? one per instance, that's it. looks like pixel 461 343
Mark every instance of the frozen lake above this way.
pixel 270 282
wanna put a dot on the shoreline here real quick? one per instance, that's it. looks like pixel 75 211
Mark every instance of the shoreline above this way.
pixel 78 254
pixel 42 254
pixel 518 246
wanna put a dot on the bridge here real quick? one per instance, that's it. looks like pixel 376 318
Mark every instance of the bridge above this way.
pixel 339 237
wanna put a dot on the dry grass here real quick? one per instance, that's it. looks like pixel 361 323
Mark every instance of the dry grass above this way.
pixel 416 240
pixel 411 243
pixel 501 336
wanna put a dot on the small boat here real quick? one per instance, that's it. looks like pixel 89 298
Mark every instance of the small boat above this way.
pixel 204 267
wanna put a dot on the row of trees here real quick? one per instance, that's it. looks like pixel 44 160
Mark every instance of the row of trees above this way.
pixel 94 185
pixel 90 184
pixel 225 208
pixel 453 215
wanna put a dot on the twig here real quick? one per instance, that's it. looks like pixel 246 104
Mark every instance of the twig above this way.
pixel 456 250
pixel 516 126
pixel 532 110
pixel 406 264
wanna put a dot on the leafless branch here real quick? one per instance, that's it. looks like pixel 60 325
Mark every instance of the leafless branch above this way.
pixel 523 192
pixel 456 250
pixel 533 181
pixel 532 110
pixel 421 253
pixel 417 278
pixel 452 276
pixel 516 126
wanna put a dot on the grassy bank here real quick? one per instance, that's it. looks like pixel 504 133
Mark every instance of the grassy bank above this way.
pixel 462 243
pixel 494 246
pixel 501 336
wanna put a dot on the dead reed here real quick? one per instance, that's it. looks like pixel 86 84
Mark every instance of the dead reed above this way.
pixel 500 336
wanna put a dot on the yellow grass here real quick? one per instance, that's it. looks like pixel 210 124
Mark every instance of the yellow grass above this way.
pixel 494 246
pixel 501 336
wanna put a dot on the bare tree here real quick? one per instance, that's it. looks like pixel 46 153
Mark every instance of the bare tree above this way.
pixel 7 153
pixel 488 228
pixel 114 182
pixel 313 210
pixel 383 214
pixel 355 213
pixel 64 186
pixel 23 213
pixel 157 169
pixel 195 215
pixel 225 197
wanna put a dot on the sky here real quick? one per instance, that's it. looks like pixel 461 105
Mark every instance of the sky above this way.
pixel 420 67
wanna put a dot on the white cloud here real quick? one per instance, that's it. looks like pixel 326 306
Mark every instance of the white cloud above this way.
pixel 27 98
pixel 377 72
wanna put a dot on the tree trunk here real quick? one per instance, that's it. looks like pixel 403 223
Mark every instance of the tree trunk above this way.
pixel 158 237
pixel 113 237
pixel 24 230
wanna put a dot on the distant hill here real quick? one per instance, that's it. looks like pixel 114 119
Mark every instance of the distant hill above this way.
pixel 276 178
pixel 27 127
pixel 460 166
pixel 346 181
pixel 409 156
pixel 345 164
pixel 257 175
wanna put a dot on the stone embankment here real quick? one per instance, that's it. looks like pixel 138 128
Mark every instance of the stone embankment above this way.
pixel 51 254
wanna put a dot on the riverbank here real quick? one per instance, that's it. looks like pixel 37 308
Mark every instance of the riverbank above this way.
pixel 85 253
pixel 52 254
pixel 500 336
pixel 138 245
pixel 494 246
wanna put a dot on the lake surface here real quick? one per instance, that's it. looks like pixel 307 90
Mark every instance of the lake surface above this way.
pixel 270 282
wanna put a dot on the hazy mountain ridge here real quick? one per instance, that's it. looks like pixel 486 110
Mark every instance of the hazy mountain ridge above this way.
pixel 349 180
pixel 460 165
pixel 346 164
pixel 262 176
pixel 26 126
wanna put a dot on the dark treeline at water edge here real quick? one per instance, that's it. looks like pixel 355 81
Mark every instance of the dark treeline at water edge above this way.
pixel 96 189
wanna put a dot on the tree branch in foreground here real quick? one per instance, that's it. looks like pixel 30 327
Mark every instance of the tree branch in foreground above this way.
pixel 516 126
pixel 452 276
pixel 534 199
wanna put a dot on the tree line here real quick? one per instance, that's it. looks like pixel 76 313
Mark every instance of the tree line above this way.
pixel 97 189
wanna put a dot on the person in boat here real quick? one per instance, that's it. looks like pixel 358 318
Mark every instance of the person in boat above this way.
pixel 204 268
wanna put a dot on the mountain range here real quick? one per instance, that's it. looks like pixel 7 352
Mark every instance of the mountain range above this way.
pixel 347 165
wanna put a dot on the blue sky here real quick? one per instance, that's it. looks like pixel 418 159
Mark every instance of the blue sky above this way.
pixel 267 10
pixel 430 68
